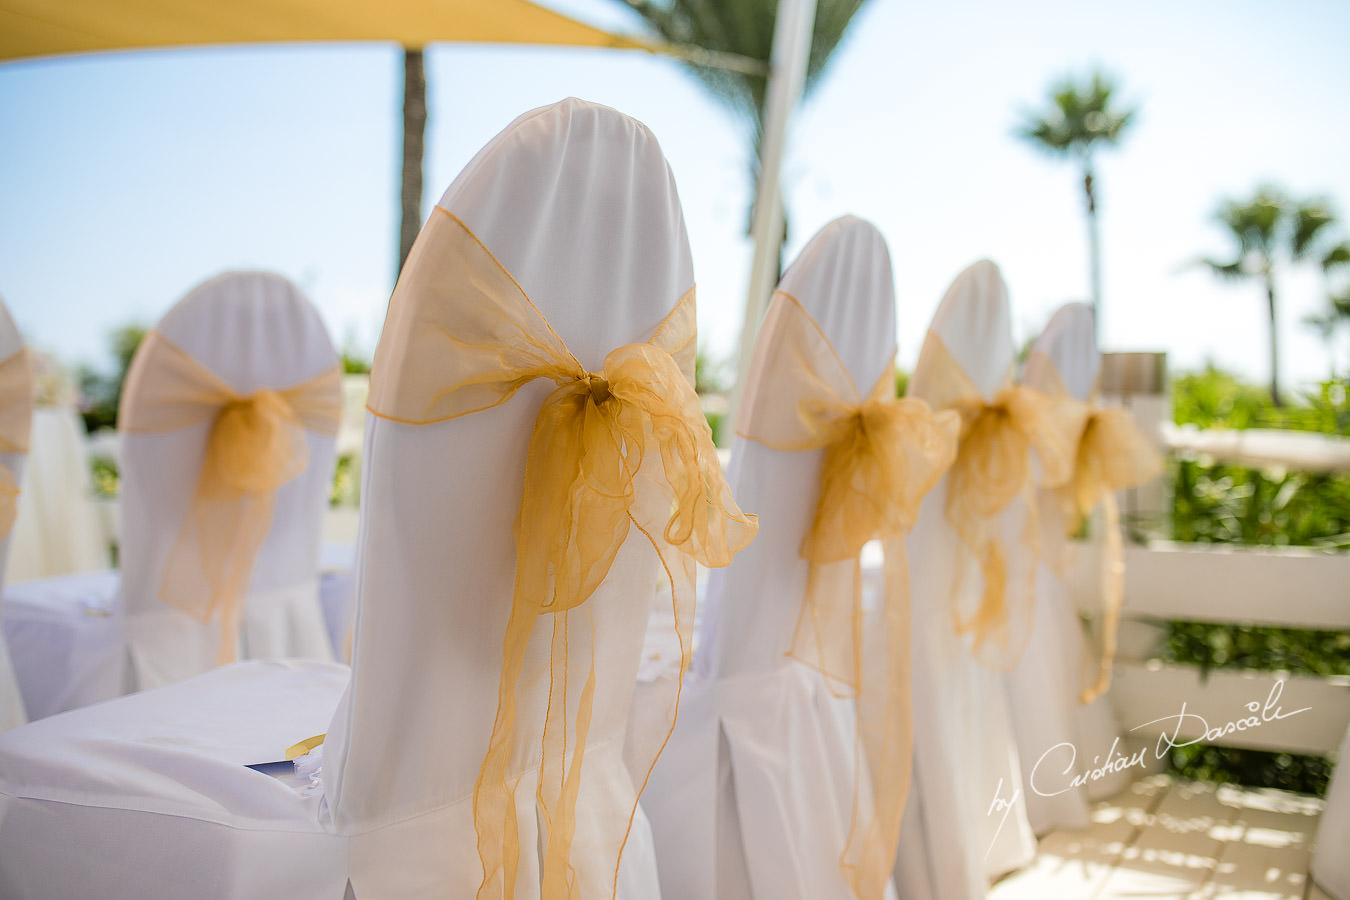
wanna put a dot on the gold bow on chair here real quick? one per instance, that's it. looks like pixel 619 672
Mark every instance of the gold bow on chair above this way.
pixel 256 444
pixel 1111 456
pixel 881 456
pixel 627 445
pixel 992 468
pixel 16 422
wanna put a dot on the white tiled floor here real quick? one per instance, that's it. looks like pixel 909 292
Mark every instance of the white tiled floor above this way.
pixel 1168 838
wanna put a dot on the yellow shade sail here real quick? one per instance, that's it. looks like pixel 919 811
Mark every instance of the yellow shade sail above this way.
pixel 31 28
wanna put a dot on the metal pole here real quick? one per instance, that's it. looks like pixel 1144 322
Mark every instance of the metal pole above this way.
pixel 787 76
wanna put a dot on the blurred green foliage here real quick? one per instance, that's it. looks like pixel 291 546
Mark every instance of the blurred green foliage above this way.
pixel 346 489
pixel 353 364
pixel 1233 504
pixel 100 392
pixel 717 422
pixel 1267 649
pixel 711 375
pixel 1255 768
pixel 712 381
pixel 105 476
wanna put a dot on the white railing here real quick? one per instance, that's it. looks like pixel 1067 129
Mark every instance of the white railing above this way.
pixel 1279 587
pixel 1223 583
pixel 1258 448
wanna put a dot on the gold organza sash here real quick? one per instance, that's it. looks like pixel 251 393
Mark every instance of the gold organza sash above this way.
pixel 627 445
pixel 16 421
pixel 1111 456
pixel 992 468
pixel 256 444
pixel 881 456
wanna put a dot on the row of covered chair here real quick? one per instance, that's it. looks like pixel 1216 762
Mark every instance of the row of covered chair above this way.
pixel 847 723
pixel 538 487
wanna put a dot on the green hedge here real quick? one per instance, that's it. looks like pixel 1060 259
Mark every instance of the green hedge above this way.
pixel 1272 507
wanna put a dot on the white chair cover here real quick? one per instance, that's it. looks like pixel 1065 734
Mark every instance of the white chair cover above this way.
pixel 252 330
pixel 578 205
pixel 1055 732
pixel 952 840
pixel 11 701
pixel 1330 864
pixel 148 796
pixel 753 795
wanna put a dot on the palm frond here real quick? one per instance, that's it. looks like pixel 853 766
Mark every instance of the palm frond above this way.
pixel 1336 257
pixel 1340 303
pixel 1233 270
pixel 1309 221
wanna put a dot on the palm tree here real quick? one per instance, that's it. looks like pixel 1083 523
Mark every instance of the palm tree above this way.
pixel 1081 118
pixel 1271 231
pixel 743 28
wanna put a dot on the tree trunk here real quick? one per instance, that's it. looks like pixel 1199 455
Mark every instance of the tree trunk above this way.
pixel 414 130
pixel 1274 343
pixel 1094 250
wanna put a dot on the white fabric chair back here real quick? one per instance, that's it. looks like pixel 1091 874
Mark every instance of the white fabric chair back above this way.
pixel 964 746
pixel 1044 689
pixel 252 330
pixel 1070 345
pixel 973 320
pixel 577 203
pixel 754 795
pixel 973 323
pixel 843 280
pixel 11 701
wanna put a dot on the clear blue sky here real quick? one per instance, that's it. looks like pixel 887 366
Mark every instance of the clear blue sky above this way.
pixel 125 179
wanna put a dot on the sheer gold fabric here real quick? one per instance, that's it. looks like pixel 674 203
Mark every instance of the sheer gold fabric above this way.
pixel 992 468
pixel 256 444
pixel 882 455
pixel 1111 455
pixel 625 446
pixel 16 422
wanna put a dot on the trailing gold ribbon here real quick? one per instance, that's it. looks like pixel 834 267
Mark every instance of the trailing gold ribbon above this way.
pixel 992 468
pixel 627 445
pixel 881 456
pixel 1111 455
pixel 256 444
pixel 16 422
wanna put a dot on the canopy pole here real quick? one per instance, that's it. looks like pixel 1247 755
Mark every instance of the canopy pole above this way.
pixel 414 133
pixel 787 77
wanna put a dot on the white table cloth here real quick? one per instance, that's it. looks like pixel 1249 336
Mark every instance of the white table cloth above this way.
pixel 149 796
pixel 69 643
pixel 67 640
